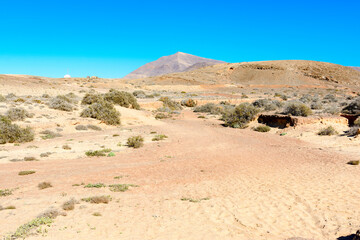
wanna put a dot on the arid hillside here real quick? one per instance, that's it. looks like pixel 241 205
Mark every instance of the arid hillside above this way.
pixel 289 72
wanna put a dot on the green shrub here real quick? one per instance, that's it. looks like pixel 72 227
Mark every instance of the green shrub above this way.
pixel 25 230
pixel 18 114
pixel 135 141
pixel 121 98
pixel 94 185
pixel 262 128
pixel 329 131
pixel 297 109
pixel 104 111
pixel 189 103
pixel 354 162
pixel 97 153
pixel 240 116
pixel 12 133
pixel 62 103
pixel 5 192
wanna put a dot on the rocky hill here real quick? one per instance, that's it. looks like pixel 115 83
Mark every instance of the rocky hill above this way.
pixel 178 62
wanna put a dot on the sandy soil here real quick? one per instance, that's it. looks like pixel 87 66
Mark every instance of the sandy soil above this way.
pixel 259 186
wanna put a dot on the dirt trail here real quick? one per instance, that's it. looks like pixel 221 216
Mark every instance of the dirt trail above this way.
pixel 253 185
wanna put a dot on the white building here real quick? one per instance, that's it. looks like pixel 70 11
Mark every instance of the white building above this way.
pixel 67 76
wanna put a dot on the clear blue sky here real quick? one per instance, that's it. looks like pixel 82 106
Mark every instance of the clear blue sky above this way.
pixel 111 38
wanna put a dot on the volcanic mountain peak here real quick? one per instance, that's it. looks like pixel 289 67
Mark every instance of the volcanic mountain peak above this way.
pixel 178 62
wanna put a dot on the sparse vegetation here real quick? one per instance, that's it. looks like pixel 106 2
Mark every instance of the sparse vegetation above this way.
pixel 93 127
pixel 97 214
pixel 18 114
pixel 22 173
pixel 262 128
pixel 297 109
pixel 97 153
pixel 5 192
pixel 209 108
pixel 329 131
pixel 44 185
pixel 135 141
pixel 354 162
pixel 169 105
pixel 97 199
pixel 91 98
pixel 161 115
pixel 194 200
pixel 30 159
pixel 69 205
pixel 81 128
pixel 121 187
pixel 159 137
pixel 240 116
pixel 95 185
pixel 25 230
pixel 353 107
pixel 47 134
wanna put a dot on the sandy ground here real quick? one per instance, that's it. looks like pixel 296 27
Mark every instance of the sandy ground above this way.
pixel 253 186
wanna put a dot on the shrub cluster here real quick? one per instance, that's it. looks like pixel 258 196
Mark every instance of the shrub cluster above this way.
pixel 135 141
pixel 62 103
pixel 18 114
pixel 103 111
pixel 121 98
pixel 211 108
pixel 353 107
pixel 240 116
pixel 329 131
pixel 169 105
pixel 11 133
pixel 297 109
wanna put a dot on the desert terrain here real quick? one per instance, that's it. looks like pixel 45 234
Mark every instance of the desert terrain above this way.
pixel 197 173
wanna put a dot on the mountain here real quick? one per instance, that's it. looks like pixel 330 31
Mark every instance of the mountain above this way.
pixel 178 62
pixel 356 68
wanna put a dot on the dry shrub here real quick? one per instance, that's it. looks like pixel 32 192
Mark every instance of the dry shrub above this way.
pixel 121 98
pixel 353 107
pixel 81 128
pixel 11 133
pixel 93 127
pixel 49 134
pixel 44 185
pixel 240 116
pixel 189 103
pixel 69 205
pixel 209 108
pixel 104 111
pixel 50 213
pixel 97 199
pixel 22 173
pixel 329 131
pixel 62 103
pixel 297 109
pixel 18 114
pixel 91 98
pixel 135 141
pixel 262 128
pixel 169 104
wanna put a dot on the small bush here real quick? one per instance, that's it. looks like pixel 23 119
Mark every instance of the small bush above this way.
pixel 329 131
pixel 281 95
pixel 330 98
pixel 22 173
pixel 18 114
pixel 262 128
pixel 95 185
pixel 5 192
pixel 189 103
pixel 97 199
pixel 139 94
pixel 50 213
pixel 25 230
pixel 97 153
pixel 62 103
pixel 97 214
pixel 104 111
pixel 49 134
pixel 29 159
pixel 162 116
pixel 316 105
pixel 168 103
pixel 121 98
pixel 93 127
pixel 69 205
pixel 353 107
pixel 297 109
pixel 2 98
pixel 159 137
pixel 44 185
pixel 209 108
pixel 354 162
pixel 66 147
pixel 91 98
pixel 81 128
pixel 240 116
pixel 332 110
pixel 135 141
pixel 12 133
pixel 120 187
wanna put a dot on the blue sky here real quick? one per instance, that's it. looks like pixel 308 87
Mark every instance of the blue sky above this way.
pixel 109 38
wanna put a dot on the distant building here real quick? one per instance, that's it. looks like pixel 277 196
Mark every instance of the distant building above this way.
pixel 67 76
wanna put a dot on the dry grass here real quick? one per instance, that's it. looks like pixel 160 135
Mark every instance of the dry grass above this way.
pixel 98 199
